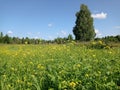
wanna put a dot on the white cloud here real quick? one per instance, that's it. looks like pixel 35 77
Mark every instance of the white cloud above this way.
pixel 9 32
pixel 36 37
pixel 63 32
pixel 98 34
pixel 101 15
pixel 50 25
pixel 29 33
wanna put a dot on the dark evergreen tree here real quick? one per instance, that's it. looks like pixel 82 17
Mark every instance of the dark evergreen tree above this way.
pixel 1 37
pixel 84 29
pixel 6 39
pixel 118 37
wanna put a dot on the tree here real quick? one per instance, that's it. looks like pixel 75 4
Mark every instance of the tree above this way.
pixel 118 37
pixel 6 39
pixel 1 37
pixel 84 29
pixel 70 38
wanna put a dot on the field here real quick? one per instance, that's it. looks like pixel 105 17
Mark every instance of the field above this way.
pixel 59 67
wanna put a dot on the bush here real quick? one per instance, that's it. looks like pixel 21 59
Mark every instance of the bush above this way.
pixel 99 45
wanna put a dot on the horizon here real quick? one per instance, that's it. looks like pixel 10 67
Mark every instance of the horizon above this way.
pixel 51 19
pixel 55 37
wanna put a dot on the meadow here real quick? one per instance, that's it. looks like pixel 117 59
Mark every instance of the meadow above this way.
pixel 59 67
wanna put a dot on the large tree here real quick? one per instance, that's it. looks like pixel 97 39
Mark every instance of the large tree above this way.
pixel 1 37
pixel 84 29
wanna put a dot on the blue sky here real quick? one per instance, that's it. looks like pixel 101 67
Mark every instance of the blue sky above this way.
pixel 48 19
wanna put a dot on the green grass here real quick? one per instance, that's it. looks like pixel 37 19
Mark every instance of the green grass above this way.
pixel 59 67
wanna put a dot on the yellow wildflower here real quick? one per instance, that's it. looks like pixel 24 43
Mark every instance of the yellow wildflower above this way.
pixel 94 55
pixel 39 66
pixel 19 81
pixel 21 62
pixel 9 85
pixel 31 63
pixel 78 65
pixel 107 47
pixel 99 72
pixel 29 83
pixel 100 42
pixel 110 52
pixel 72 84
pixel 12 69
pixel 61 72
pixel 93 43
pixel 86 75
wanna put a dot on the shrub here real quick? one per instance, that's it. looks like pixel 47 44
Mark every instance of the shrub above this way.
pixel 99 45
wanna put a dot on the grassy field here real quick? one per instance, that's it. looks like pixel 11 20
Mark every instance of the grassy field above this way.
pixel 59 67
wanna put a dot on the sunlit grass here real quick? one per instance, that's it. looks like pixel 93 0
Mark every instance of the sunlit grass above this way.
pixel 58 67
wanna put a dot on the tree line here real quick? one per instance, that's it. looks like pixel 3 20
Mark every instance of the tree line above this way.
pixel 108 39
pixel 6 39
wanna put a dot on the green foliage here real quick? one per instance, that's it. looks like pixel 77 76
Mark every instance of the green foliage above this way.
pixel 1 37
pixel 64 40
pixel 70 38
pixel 16 40
pixel 6 39
pixel 59 67
pixel 84 30
pixel 112 38
pixel 99 45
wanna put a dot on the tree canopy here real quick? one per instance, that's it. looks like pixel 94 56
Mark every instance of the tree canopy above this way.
pixel 84 29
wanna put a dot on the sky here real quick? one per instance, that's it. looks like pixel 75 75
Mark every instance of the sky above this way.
pixel 49 19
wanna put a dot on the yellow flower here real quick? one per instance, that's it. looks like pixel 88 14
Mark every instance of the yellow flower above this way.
pixel 4 76
pixel 99 72
pixel 80 81
pixel 29 83
pixel 107 47
pixel 39 66
pixel 86 75
pixel 61 72
pixel 100 42
pixel 32 76
pixel 50 89
pixel 9 85
pixel 42 55
pixel 19 81
pixel 72 84
pixel 31 63
pixel 78 65
pixel 93 43
pixel 12 69
pixel 24 55
pixel 110 52
pixel 94 55
pixel 21 62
